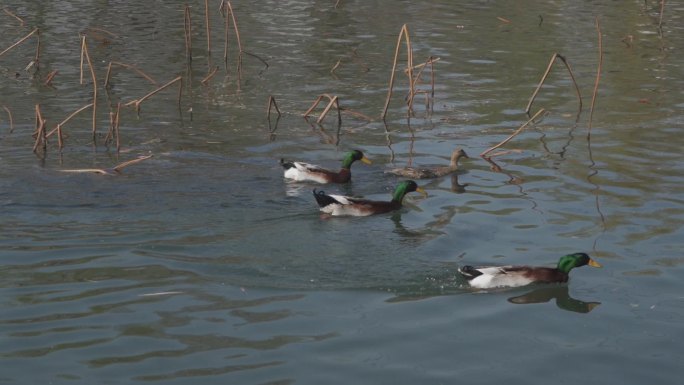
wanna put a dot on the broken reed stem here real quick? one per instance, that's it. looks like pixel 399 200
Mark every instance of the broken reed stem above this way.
pixel 226 27
pixel 211 74
pixel 7 11
pixel 229 7
pixel 334 101
pixel 68 118
pixel 187 27
pixel 206 21
pixel 546 74
pixel 50 76
pixel 272 103
pixel 40 131
pixel 116 126
pixel 598 75
pixel 137 102
pixel 484 153
pixel 129 67
pixel 9 115
pixel 35 30
pixel 430 61
pixel 403 33
pixel 660 18
pixel 92 74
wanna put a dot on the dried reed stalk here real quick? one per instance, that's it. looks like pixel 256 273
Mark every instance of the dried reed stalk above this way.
pixel 41 139
pixel 68 118
pixel 272 103
pixel 211 74
pixel 35 30
pixel 84 49
pixel 598 75
pixel 187 28
pixel 109 171
pixel 484 153
pixel 114 127
pixel 129 67
pixel 333 101
pixel 543 79
pixel 50 76
pixel 228 9
pixel 9 115
pixel 409 59
pixel 7 11
pixel 137 102
pixel 431 62
pixel 206 21
pixel 115 36
pixel 660 18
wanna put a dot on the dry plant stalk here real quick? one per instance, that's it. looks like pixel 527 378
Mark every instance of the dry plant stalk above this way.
pixel 58 128
pixel 114 127
pixel 84 49
pixel 19 41
pixel 50 76
pixel 129 67
pixel 409 59
pixel 9 115
pixel 333 101
pixel 10 13
pixel 41 138
pixel 660 18
pixel 109 171
pixel 211 74
pixel 598 74
pixel 484 153
pixel 137 102
pixel 543 79
pixel 272 103
pixel 431 62
pixel 206 21
pixel 187 28
pixel 228 9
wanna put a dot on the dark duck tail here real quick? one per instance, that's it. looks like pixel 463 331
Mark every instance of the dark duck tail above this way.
pixel 469 271
pixel 323 199
pixel 286 165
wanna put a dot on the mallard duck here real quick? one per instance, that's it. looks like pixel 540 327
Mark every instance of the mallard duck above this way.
pixel 431 172
pixel 300 171
pixel 514 276
pixel 338 205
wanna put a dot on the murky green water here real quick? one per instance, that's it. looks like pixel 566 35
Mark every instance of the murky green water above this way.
pixel 201 265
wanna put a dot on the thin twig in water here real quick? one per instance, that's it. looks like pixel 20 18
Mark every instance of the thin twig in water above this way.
pixel 484 153
pixel 19 41
pixel 7 11
pixel 272 103
pixel 187 28
pixel 598 75
pixel 543 79
pixel 206 21
pixel 40 131
pixel 68 118
pixel 50 76
pixel 129 67
pixel 403 33
pixel 11 121
pixel 92 74
pixel 660 18
pixel 137 102
pixel 211 74
pixel 109 171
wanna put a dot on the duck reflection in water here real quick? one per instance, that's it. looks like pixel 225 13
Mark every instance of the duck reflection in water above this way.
pixel 560 294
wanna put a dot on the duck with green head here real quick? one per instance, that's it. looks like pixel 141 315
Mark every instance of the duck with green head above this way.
pixel 300 171
pixel 338 205
pixel 514 276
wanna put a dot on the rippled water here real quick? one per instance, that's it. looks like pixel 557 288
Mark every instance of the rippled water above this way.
pixel 201 265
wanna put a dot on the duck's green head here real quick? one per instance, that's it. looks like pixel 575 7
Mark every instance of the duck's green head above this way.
pixel 571 261
pixel 353 156
pixel 406 187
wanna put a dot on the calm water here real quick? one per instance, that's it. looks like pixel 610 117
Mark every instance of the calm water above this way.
pixel 201 265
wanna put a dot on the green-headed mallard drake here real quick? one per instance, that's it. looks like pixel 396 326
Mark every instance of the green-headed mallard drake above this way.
pixel 514 276
pixel 431 172
pixel 300 171
pixel 338 205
